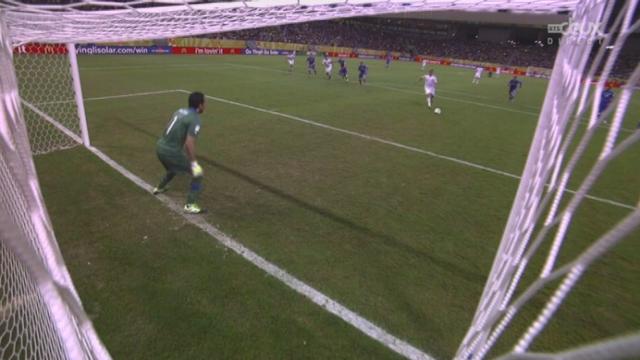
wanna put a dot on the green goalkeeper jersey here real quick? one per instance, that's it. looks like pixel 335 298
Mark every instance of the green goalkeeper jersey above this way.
pixel 183 122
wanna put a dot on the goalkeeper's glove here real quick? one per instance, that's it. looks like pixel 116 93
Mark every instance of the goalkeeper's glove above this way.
pixel 196 169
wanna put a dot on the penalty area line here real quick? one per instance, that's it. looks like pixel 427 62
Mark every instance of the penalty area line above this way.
pixel 109 97
pixel 314 123
pixel 365 326
pixel 402 146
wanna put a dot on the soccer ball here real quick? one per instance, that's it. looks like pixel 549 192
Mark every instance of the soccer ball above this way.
pixel 437 111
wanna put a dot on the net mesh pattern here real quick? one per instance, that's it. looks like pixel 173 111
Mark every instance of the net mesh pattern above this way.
pixel 542 211
pixel 46 87
pixel 27 330
pixel 40 314
pixel 132 21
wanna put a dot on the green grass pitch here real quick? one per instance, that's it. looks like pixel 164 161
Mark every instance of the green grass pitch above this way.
pixel 402 237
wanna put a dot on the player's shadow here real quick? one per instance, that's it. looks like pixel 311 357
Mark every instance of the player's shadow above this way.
pixel 387 240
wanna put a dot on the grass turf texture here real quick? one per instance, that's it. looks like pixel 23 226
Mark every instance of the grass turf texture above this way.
pixel 402 238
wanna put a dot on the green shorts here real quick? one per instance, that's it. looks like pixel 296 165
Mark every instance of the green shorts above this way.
pixel 173 161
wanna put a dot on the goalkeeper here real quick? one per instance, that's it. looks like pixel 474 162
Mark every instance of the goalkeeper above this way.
pixel 176 150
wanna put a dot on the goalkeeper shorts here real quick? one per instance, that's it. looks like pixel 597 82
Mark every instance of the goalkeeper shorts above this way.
pixel 175 162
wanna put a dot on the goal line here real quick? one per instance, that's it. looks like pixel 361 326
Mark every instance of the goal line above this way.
pixel 328 304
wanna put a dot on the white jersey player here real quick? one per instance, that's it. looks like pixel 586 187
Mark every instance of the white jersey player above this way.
pixel 430 82
pixel 328 67
pixel 478 75
pixel 424 64
pixel 291 59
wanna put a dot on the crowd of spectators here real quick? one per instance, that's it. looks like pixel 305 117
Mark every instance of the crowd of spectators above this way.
pixel 410 38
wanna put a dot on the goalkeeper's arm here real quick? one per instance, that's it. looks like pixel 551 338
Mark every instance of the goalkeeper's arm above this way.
pixel 190 149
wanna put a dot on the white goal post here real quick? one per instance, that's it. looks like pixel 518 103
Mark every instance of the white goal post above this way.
pixel 41 316
pixel 39 286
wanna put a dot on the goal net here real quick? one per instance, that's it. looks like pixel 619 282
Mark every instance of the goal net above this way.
pixel 47 102
pixel 40 313
pixel 48 96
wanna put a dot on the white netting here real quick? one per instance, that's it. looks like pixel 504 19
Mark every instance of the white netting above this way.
pixel 537 210
pixel 571 102
pixel 40 314
pixel 134 20
pixel 46 87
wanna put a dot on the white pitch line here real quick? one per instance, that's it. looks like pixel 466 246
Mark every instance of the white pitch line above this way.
pixel 398 145
pixel 370 329
pixel 496 107
pixel 444 90
pixel 290 73
pixel 365 326
pixel 368 137
pixel 59 126
pixel 482 104
pixel 460 100
pixel 110 97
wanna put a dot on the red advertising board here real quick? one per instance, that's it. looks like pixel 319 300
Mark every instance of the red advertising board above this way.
pixel 205 51
pixel 43 49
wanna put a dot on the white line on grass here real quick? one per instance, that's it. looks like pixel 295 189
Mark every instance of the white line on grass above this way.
pixel 392 143
pixel 110 97
pixel 59 126
pixel 458 100
pixel 496 107
pixel 443 90
pixel 482 104
pixel 353 133
pixel 290 73
pixel 370 329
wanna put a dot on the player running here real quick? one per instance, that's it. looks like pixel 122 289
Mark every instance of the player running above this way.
pixel 430 82
pixel 514 86
pixel 343 69
pixel 605 99
pixel 311 63
pixel 478 75
pixel 291 59
pixel 388 60
pixel 424 64
pixel 176 150
pixel 363 70
pixel 328 66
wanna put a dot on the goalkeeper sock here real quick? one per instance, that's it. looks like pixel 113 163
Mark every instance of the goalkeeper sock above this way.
pixel 194 190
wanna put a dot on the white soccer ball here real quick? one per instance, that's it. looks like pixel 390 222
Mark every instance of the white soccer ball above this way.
pixel 437 111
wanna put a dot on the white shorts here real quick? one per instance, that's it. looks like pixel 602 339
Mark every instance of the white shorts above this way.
pixel 328 69
pixel 290 62
pixel 477 76
pixel 430 91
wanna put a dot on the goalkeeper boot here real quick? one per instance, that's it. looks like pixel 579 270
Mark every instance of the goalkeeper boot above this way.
pixel 158 190
pixel 194 209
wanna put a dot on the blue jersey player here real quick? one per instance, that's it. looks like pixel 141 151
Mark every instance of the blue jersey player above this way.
pixel 514 86
pixel 388 60
pixel 311 63
pixel 343 69
pixel 362 73
pixel 605 99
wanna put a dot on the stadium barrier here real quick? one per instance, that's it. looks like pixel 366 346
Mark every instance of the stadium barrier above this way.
pixel 204 46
